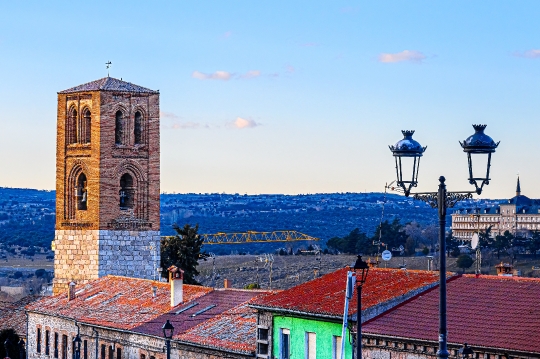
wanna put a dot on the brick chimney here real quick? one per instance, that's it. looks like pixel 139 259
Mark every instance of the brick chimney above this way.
pixel 71 291
pixel 226 283
pixel 176 279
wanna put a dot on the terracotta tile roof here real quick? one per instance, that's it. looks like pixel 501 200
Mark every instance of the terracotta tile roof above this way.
pixel 108 84
pixel 326 295
pixel 489 311
pixel 12 314
pixel 235 330
pixel 116 302
pixel 217 302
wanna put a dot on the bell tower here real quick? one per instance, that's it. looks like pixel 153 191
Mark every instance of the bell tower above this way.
pixel 107 182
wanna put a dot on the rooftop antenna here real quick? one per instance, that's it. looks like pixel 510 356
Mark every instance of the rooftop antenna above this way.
pixel 108 63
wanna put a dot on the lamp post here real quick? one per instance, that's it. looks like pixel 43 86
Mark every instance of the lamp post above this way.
pixel 465 352
pixel 168 331
pixel 478 147
pixel 361 269
pixel 77 346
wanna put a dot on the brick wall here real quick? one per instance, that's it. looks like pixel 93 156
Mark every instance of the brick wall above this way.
pixel 105 237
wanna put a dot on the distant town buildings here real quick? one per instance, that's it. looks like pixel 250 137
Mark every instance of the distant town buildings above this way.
pixel 520 215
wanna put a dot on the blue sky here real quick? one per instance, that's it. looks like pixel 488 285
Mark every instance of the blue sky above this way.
pixel 280 96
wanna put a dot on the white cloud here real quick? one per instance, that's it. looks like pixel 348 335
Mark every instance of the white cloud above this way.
pixel 218 75
pixel 406 55
pixel 171 115
pixel 251 74
pixel 530 54
pixel 227 34
pixel 188 126
pixel 241 123
pixel 289 69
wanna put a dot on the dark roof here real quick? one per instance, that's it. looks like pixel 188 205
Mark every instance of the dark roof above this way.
pixel 108 84
pixel 325 295
pixel 489 311
pixel 12 315
pixel 222 300
pixel 521 201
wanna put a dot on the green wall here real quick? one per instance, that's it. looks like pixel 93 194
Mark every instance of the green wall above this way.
pixel 298 328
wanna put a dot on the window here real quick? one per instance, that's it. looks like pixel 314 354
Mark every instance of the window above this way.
pixel 262 340
pixel 118 353
pixel 71 126
pixel 285 344
pixel 126 191
pixel 119 130
pixel 311 345
pixel 336 347
pixel 138 128
pixel 56 345
pixel 85 349
pixel 103 350
pixel 143 356
pixel 38 340
pixel 47 343
pixel 81 192
pixel 64 346
pixel 111 352
pixel 84 128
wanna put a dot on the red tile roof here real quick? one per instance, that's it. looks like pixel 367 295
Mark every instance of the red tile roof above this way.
pixel 489 311
pixel 12 315
pixel 234 330
pixel 326 295
pixel 218 301
pixel 116 302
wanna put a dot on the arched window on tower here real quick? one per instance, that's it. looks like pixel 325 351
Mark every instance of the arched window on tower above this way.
pixel 119 130
pixel 126 192
pixel 81 192
pixel 138 128
pixel 71 126
pixel 86 126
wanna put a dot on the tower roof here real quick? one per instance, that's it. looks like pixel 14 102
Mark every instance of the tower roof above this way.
pixel 518 188
pixel 108 84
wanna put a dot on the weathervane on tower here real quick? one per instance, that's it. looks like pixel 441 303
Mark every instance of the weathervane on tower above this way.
pixel 108 63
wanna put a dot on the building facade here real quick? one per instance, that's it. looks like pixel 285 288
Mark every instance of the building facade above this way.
pixel 306 321
pixel 520 215
pixel 107 182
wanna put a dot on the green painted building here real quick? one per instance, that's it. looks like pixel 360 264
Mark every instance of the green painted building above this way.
pixel 305 322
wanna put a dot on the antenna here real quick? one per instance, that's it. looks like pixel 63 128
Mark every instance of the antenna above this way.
pixel 474 241
pixel 108 63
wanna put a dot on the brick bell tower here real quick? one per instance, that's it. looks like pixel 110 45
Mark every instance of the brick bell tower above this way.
pixel 107 182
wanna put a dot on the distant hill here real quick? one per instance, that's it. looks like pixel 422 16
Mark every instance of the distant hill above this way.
pixel 27 216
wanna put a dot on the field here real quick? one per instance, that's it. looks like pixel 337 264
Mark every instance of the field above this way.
pixel 288 271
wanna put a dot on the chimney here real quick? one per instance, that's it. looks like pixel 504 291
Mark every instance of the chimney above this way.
pixel 71 291
pixel 176 279
pixel 226 283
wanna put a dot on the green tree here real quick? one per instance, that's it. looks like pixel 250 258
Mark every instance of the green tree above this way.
pixel 533 245
pixel 184 251
pixel 452 244
pixel 464 261
pixel 393 234
pixel 353 243
pixel 410 246
pixel 502 243
pixel 484 239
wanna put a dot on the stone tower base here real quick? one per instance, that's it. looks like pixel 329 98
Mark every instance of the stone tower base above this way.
pixel 84 255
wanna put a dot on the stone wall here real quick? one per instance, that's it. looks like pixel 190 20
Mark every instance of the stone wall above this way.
pixel 132 345
pixel 84 255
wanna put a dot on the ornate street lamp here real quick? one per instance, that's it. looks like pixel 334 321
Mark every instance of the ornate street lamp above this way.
pixel 361 269
pixel 407 152
pixel 77 346
pixel 465 352
pixel 478 145
pixel 168 331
